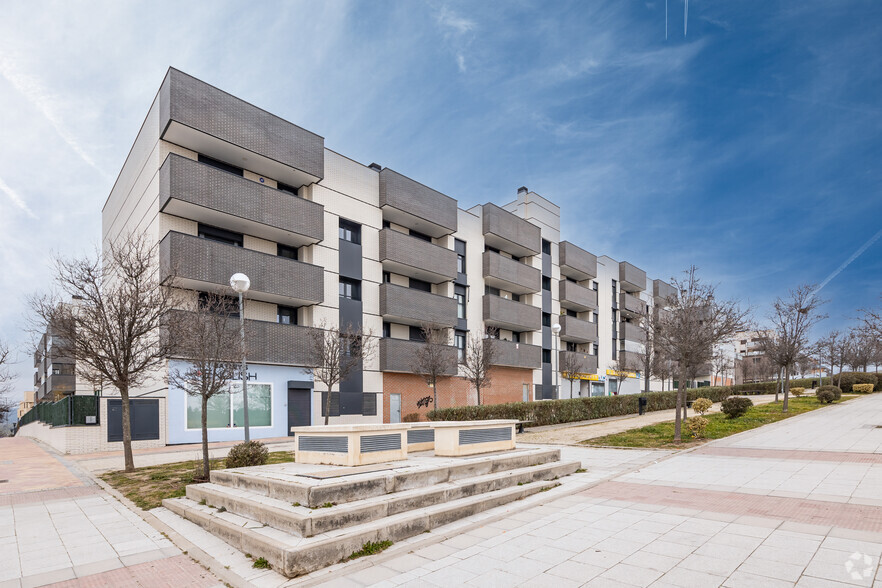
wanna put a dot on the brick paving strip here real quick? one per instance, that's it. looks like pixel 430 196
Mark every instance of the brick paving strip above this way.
pixel 47 495
pixel 813 512
pixel 798 454
pixel 172 572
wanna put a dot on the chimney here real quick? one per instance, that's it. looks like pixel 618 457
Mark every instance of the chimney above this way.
pixel 522 190
pixel 376 167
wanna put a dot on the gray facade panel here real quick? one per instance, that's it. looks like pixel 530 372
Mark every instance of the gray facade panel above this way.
pixel 662 291
pixel 631 332
pixel 631 278
pixel 577 330
pixel 201 262
pixel 631 305
pixel 631 360
pixel 508 232
pixel 399 355
pixel 520 355
pixel 507 274
pixel 577 263
pixel 585 363
pixel 350 259
pixel 272 212
pixel 200 106
pixel 414 199
pixel 508 314
pixel 576 297
pixel 415 307
pixel 408 255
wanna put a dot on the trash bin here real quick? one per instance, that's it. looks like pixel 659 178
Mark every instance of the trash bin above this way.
pixel 814 384
pixel 641 404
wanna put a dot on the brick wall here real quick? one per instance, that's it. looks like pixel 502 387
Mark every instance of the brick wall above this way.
pixel 507 386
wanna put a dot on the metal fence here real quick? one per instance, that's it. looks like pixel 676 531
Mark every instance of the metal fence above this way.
pixel 70 410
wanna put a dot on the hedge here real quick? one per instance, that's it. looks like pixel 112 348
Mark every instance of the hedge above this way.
pixel 571 410
pixel 862 388
pixel 849 379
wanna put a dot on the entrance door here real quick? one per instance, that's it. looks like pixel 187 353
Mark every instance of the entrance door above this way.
pixel 597 389
pixel 298 408
pixel 143 419
pixel 395 408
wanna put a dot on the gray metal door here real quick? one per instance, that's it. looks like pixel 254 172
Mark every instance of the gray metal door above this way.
pixel 143 416
pixel 395 408
pixel 298 408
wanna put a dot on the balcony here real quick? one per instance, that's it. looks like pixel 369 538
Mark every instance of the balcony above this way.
pixel 508 232
pixel 632 332
pixel 576 263
pixel 577 330
pixel 631 361
pixel 272 343
pixel 585 363
pixel 202 118
pixel 576 297
pixel 199 192
pixel 399 355
pixel 510 275
pixel 631 306
pixel 662 292
pixel 519 355
pixel 408 306
pixel 409 256
pixel 507 314
pixel 61 384
pixel 631 278
pixel 408 203
pixel 201 264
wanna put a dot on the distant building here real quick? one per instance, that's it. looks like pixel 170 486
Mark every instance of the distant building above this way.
pixel 27 403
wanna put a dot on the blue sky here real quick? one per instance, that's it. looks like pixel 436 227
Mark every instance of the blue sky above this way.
pixel 749 146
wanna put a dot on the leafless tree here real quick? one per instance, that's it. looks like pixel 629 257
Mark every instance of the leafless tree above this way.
pixel 208 339
pixel 5 376
pixel 335 353
pixel 480 355
pixel 663 367
pixel 791 319
pixel 623 367
pixel 720 364
pixel 871 319
pixel 859 349
pixel 113 331
pixel 435 358
pixel 697 322
pixel 571 366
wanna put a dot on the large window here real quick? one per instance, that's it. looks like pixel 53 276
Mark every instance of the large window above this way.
pixel 287 315
pixel 286 251
pixel 459 341
pixel 350 231
pixel 546 283
pixel 460 296
pixel 546 246
pixel 350 289
pixel 226 410
pixel 460 246
pixel 546 356
pixel 220 235
pixel 220 165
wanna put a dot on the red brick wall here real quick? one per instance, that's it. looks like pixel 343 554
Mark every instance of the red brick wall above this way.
pixel 507 386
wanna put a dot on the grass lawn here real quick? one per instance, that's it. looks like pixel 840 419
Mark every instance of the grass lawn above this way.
pixel 661 435
pixel 147 486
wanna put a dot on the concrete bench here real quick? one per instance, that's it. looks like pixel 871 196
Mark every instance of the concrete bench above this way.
pixel 458 438
pixel 351 445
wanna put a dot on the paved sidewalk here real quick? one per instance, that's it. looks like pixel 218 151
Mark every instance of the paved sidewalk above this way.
pixel 576 432
pixel 56 525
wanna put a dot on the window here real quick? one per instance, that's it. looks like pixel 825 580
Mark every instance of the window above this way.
pixel 572 313
pixel 613 386
pixel 459 295
pixel 594 317
pixel 416 284
pixel 387 277
pixel 350 231
pixel 546 283
pixel 546 356
pixel 546 319
pixel 571 346
pixel 220 235
pixel 387 329
pixel 493 249
pixel 226 305
pixel 546 246
pixel 226 407
pixel 491 290
pixel 594 285
pixel 420 236
pixel 459 341
pixel 516 297
pixel 594 349
pixel 220 165
pixel 459 246
pixel 492 333
pixel 288 189
pixel 287 315
pixel 350 289
pixel 349 343
pixel 515 337
pixel 286 251
pixel 417 334
pixel 614 352
pixel 62 369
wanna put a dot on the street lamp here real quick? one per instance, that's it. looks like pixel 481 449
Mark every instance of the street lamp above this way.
pixel 555 330
pixel 240 283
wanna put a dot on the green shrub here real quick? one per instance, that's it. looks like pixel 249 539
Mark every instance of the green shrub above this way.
pixel 243 455
pixel 824 395
pixel 735 406
pixel 797 391
pixel 849 379
pixel 696 426
pixel 702 405
pixel 862 388
pixel 411 417
pixel 835 391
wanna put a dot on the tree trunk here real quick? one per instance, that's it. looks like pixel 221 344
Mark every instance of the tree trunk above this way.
pixel 435 392
pixel 478 390
pixel 205 464
pixel 127 429
pixel 681 390
pixel 777 384
pixel 786 388
pixel 328 405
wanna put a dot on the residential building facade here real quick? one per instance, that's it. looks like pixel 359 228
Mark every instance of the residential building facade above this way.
pixel 221 186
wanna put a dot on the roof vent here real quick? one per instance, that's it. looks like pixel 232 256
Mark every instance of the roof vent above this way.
pixel 376 166
pixel 522 190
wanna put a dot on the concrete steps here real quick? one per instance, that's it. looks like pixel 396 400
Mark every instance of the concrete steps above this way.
pixel 306 522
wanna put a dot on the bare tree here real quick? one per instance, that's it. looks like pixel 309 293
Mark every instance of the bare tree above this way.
pixel 435 358
pixel 208 338
pixel 791 321
pixel 623 367
pixel 480 355
pixel 571 366
pixel 5 376
pixel 335 353
pixel 696 322
pixel 859 349
pixel 720 364
pixel 113 332
pixel 663 367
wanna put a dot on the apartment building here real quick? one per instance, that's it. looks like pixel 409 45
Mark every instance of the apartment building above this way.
pixel 221 186
pixel 54 369
pixel 27 403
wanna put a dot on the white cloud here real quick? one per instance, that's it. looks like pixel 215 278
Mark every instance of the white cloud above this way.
pixel 17 200
pixel 457 32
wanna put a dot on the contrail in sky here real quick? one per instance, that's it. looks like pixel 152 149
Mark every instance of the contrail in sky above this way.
pixel 845 264
pixel 17 200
